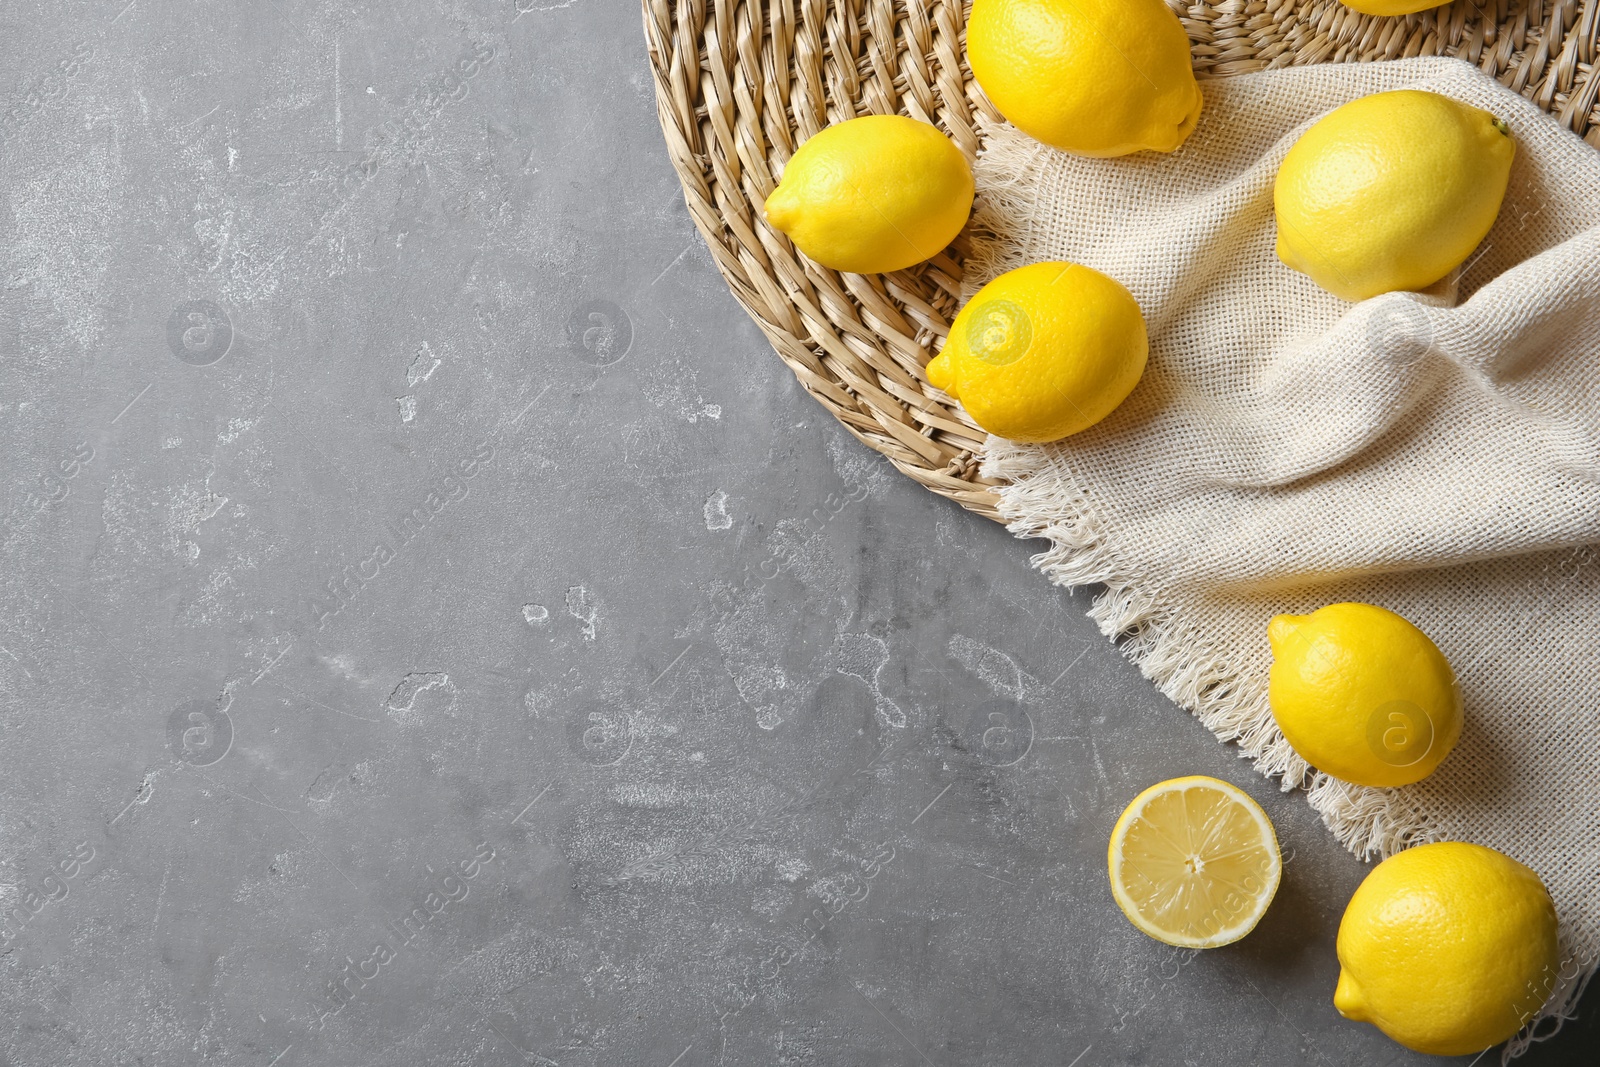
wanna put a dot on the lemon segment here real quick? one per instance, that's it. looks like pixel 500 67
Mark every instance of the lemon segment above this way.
pixel 1362 694
pixel 873 194
pixel 1093 77
pixel 1194 862
pixel 1043 352
pixel 1448 948
pixel 1390 192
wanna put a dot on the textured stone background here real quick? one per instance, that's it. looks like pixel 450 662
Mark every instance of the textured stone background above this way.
pixel 437 629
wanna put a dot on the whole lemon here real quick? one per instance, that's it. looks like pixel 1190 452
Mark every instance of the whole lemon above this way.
pixel 1043 351
pixel 1093 77
pixel 1391 191
pixel 1362 694
pixel 1447 948
pixel 873 194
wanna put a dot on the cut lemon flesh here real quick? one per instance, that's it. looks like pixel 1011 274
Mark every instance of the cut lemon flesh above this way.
pixel 1194 862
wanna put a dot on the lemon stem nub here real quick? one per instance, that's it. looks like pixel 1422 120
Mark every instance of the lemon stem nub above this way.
pixel 1282 627
pixel 779 209
pixel 1347 998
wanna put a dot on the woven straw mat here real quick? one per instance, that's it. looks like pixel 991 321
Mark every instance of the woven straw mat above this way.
pixel 740 84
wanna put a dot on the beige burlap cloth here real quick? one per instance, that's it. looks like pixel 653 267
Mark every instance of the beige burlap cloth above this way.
pixel 1437 455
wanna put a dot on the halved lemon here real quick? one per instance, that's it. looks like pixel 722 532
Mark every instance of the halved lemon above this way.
pixel 1194 862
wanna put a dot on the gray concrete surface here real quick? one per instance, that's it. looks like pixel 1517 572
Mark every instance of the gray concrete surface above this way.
pixel 437 629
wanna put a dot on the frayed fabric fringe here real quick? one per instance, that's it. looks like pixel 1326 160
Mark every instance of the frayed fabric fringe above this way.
pixel 1038 499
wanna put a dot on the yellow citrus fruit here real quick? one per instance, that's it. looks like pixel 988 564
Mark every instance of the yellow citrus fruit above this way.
pixel 1392 7
pixel 1391 191
pixel 1362 694
pixel 1094 77
pixel 1447 948
pixel 1043 351
pixel 873 194
pixel 1194 862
